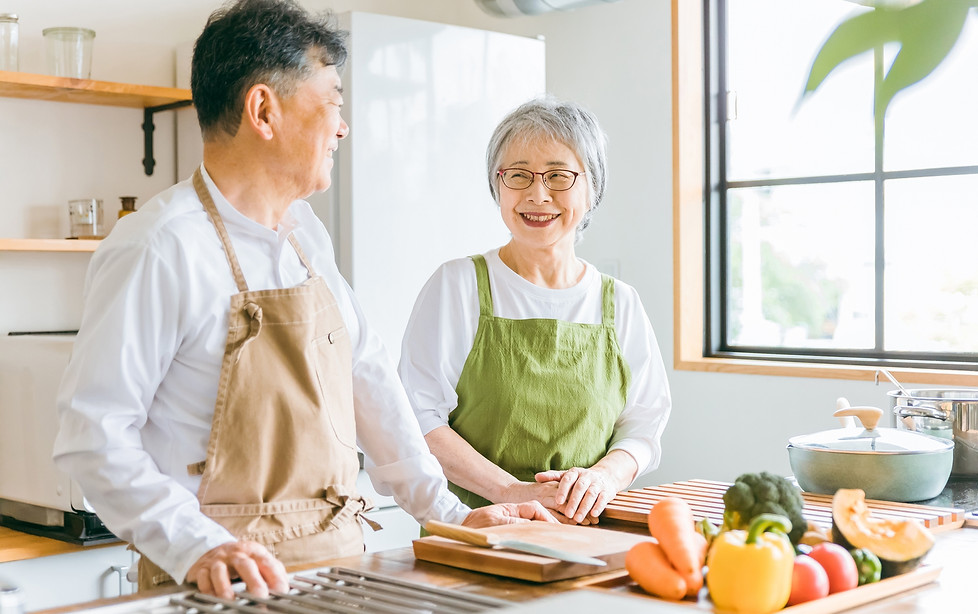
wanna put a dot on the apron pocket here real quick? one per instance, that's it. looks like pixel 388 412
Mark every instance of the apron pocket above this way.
pixel 333 357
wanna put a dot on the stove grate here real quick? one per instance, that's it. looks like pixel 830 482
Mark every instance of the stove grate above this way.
pixel 344 591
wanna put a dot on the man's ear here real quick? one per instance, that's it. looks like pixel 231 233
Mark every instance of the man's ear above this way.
pixel 261 108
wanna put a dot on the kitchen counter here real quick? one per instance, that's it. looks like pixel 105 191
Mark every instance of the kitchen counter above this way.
pixel 18 546
pixel 954 552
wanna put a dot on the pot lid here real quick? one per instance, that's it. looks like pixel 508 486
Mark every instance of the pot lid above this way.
pixel 870 438
pixel 879 440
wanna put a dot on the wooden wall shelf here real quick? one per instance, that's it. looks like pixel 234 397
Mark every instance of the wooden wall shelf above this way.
pixel 86 91
pixel 48 245
pixel 150 98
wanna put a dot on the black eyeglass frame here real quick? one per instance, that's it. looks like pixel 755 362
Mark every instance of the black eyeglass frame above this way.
pixel 543 177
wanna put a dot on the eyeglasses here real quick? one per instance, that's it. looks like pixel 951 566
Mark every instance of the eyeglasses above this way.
pixel 558 179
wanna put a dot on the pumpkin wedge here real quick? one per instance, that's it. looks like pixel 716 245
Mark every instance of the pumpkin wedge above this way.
pixel 900 545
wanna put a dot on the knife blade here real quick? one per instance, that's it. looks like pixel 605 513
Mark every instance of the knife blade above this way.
pixel 489 540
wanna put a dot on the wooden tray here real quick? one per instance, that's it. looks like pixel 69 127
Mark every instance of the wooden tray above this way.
pixel 609 546
pixel 705 497
pixel 826 605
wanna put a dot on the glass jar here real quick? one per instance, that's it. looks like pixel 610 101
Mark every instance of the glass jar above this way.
pixel 68 52
pixel 85 215
pixel 8 42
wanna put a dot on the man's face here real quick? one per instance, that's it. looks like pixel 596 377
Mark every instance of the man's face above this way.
pixel 311 131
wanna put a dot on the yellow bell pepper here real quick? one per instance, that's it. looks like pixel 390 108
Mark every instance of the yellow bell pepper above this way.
pixel 750 571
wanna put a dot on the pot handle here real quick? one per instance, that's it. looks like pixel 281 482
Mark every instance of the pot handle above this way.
pixel 920 411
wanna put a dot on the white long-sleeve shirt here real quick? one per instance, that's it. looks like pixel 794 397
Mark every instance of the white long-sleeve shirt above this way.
pixel 138 396
pixel 442 327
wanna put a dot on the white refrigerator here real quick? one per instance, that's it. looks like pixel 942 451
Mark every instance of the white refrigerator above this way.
pixel 410 189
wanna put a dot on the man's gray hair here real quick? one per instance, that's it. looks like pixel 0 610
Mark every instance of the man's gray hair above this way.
pixel 560 121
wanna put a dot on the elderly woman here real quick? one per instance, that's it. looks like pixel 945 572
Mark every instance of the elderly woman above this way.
pixel 534 376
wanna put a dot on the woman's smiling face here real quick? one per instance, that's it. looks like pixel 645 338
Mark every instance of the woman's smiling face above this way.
pixel 537 216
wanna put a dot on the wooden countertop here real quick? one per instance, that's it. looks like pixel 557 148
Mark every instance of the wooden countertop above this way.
pixel 953 552
pixel 18 546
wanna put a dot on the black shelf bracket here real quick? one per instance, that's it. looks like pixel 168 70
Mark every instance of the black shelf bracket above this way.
pixel 148 161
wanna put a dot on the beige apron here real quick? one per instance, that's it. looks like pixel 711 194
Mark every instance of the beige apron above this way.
pixel 281 463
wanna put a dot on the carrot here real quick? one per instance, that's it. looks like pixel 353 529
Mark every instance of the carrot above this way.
pixel 671 524
pixel 647 565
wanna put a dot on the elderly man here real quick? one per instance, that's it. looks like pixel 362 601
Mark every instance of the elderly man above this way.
pixel 223 374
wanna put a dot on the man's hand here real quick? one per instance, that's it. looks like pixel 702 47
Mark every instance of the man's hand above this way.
pixel 249 561
pixel 507 513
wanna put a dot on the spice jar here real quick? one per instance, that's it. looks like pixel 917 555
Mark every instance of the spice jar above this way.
pixel 128 205
pixel 8 42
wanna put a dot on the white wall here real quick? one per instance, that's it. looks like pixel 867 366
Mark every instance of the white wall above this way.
pixel 615 58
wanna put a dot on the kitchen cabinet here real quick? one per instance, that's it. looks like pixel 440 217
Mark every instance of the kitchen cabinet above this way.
pixel 74 577
pixel 87 91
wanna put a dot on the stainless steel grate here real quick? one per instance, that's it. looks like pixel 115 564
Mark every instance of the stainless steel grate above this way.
pixel 345 591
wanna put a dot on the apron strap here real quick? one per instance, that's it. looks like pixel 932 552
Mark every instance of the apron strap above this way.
pixel 239 279
pixel 222 232
pixel 482 280
pixel 302 255
pixel 607 300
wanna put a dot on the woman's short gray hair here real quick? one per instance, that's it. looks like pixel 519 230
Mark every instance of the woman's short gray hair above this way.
pixel 564 122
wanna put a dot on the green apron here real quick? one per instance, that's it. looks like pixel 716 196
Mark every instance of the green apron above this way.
pixel 539 394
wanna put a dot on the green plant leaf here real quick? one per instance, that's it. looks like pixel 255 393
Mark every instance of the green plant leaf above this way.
pixel 926 32
pixel 854 36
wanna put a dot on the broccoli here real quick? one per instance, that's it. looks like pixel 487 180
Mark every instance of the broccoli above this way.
pixel 753 494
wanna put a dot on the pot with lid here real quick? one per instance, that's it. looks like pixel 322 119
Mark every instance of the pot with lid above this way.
pixel 946 413
pixel 887 463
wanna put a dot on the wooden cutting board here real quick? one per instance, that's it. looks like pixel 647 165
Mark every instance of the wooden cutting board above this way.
pixel 836 602
pixel 609 546
pixel 706 500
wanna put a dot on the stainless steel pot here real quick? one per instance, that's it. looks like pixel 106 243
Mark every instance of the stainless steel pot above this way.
pixel 887 463
pixel 946 413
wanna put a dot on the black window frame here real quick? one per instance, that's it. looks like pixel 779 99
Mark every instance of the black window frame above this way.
pixel 716 184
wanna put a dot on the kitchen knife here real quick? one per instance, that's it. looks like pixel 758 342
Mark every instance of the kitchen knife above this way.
pixel 488 540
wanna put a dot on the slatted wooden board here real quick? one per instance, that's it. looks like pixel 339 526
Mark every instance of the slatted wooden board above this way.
pixel 705 497
pixel 836 602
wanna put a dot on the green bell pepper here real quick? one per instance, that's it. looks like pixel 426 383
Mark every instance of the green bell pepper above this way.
pixel 867 564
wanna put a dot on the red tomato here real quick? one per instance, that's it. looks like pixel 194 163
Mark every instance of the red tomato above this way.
pixel 838 564
pixel 808 580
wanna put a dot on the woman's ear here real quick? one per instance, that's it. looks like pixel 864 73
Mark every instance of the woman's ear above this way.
pixel 260 110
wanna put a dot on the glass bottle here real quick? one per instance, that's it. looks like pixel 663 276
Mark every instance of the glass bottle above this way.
pixel 8 42
pixel 128 205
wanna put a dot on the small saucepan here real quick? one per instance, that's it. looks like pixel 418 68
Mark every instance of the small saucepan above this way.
pixel 887 463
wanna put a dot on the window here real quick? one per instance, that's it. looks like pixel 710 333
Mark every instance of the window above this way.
pixel 831 239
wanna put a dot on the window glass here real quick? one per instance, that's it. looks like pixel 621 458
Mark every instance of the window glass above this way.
pixel 801 269
pixel 934 123
pixel 801 266
pixel 771 44
pixel 931 275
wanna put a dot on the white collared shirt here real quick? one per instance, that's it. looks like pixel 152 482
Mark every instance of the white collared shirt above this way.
pixel 138 396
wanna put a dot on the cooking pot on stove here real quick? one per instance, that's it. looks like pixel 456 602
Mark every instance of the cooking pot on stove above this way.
pixel 947 413
pixel 887 463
